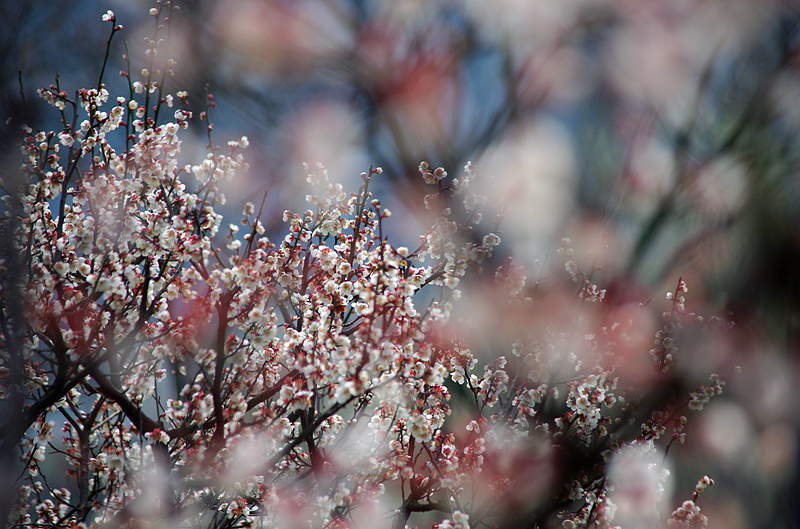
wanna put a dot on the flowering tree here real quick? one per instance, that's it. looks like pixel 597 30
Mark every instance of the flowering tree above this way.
pixel 161 368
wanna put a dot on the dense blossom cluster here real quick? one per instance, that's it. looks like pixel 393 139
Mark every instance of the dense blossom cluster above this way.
pixel 186 371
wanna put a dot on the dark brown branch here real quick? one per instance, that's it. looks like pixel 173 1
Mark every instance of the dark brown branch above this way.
pixel 134 413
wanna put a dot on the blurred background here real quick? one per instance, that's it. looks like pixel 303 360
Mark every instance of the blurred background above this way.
pixel 660 137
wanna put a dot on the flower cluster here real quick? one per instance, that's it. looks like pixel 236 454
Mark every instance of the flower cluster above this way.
pixel 689 513
pixel 225 376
